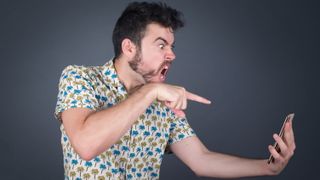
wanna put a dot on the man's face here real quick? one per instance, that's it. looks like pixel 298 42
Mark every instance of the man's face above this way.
pixel 155 56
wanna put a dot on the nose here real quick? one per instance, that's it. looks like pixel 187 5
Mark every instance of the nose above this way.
pixel 170 56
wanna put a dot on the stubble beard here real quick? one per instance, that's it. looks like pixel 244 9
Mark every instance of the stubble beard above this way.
pixel 134 65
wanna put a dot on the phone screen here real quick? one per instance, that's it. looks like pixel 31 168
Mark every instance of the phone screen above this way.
pixel 276 146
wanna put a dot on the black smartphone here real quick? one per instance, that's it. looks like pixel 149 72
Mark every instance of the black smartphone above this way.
pixel 276 146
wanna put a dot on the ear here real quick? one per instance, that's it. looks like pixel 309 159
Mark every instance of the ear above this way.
pixel 128 48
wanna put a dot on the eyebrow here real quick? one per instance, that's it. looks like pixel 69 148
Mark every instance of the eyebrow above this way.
pixel 165 41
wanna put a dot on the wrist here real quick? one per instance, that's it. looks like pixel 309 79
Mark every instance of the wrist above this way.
pixel 149 90
pixel 266 170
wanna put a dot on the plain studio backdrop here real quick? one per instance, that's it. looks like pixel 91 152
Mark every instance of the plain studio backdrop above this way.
pixel 256 60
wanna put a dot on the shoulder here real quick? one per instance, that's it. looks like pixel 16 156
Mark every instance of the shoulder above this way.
pixel 78 72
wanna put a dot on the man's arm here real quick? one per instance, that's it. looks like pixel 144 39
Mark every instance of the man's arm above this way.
pixel 91 132
pixel 212 164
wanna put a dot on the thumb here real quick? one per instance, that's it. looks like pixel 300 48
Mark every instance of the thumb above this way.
pixel 179 113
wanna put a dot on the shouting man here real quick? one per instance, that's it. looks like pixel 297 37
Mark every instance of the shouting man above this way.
pixel 119 119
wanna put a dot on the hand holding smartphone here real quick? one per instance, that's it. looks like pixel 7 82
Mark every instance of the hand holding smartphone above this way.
pixel 276 146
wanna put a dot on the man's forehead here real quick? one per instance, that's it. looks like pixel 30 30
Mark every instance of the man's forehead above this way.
pixel 157 32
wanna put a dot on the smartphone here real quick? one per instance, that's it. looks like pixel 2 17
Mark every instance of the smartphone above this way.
pixel 276 146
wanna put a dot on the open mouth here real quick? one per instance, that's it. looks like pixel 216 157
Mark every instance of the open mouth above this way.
pixel 164 71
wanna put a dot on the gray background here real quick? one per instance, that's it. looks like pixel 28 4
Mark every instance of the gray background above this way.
pixel 257 60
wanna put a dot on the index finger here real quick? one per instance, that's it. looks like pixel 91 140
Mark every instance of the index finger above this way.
pixel 194 97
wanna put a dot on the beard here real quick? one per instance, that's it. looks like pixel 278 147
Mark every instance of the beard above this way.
pixel 136 60
pixel 147 75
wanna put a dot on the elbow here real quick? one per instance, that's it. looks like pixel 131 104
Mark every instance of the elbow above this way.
pixel 197 174
pixel 85 155
pixel 198 171
pixel 85 150
pixel 200 167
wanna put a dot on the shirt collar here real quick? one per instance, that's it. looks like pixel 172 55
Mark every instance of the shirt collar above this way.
pixel 111 76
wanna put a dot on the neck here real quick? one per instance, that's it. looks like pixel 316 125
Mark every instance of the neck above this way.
pixel 127 76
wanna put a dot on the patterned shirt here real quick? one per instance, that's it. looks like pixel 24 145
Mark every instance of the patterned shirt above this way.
pixel 139 152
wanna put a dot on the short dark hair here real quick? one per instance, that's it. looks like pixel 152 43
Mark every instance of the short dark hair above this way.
pixel 135 18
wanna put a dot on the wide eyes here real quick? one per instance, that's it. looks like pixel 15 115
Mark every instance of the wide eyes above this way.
pixel 161 46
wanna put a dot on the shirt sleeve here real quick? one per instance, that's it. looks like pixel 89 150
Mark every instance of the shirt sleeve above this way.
pixel 179 130
pixel 75 91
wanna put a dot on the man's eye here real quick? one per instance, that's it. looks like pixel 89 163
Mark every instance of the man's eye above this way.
pixel 161 46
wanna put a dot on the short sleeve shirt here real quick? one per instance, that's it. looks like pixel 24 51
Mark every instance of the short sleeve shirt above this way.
pixel 139 152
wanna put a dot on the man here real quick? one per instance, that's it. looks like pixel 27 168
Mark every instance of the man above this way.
pixel 118 119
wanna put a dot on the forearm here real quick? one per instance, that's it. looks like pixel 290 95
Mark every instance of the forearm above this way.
pixel 104 128
pixel 219 165
pixel 211 164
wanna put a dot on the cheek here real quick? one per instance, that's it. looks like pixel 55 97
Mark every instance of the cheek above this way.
pixel 151 53
pixel 151 59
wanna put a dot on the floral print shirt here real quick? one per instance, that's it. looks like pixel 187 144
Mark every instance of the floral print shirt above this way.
pixel 138 154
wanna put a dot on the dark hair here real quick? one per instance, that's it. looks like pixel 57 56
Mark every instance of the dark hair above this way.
pixel 135 18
